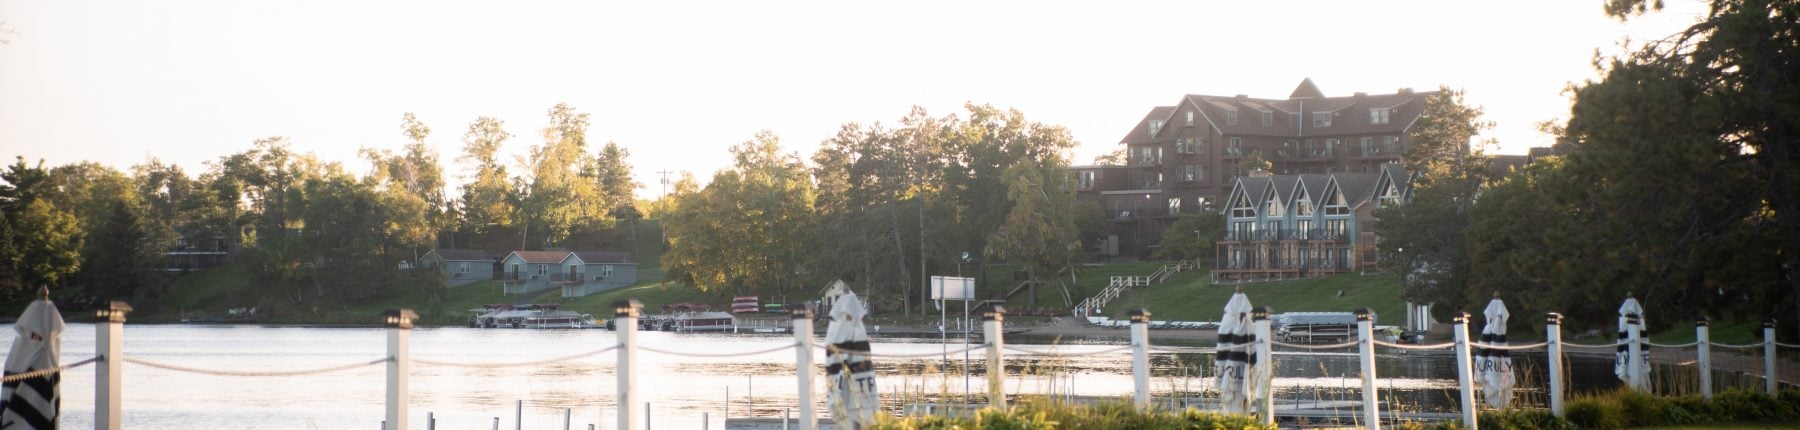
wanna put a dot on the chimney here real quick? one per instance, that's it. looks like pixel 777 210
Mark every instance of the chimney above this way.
pixel 1260 173
pixel 1360 95
pixel 1242 97
pixel 1407 90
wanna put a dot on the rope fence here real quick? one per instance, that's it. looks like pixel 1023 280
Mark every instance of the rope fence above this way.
pixel 834 348
pixel 495 365
pixel 1069 354
pixel 1787 345
pixel 16 377
pixel 1609 345
pixel 1415 347
pixel 714 355
pixel 1315 347
pixel 1678 345
pixel 1509 347
pixel 216 372
pixel 1743 346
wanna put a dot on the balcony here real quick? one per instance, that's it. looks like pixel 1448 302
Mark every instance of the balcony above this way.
pixel 1234 152
pixel 1318 235
pixel 568 278
pixel 1320 154
pixel 1146 161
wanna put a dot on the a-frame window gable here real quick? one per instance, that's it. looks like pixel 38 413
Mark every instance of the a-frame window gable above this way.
pixel 1241 206
pixel 1334 201
pixel 1303 205
pixel 1389 194
pixel 1275 208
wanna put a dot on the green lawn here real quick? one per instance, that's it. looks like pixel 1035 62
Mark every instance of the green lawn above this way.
pixel 1191 297
pixel 1741 332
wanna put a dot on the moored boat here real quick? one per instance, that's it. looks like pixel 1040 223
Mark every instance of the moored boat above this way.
pixel 529 316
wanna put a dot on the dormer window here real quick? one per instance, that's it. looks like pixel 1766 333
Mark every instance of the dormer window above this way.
pixel 1190 117
pixel 1336 204
pixel 1231 117
pixel 1379 116
pixel 1156 126
pixel 1268 118
pixel 1321 119
pixel 1242 209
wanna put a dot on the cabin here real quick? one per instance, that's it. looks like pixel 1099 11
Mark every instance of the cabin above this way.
pixel 530 271
pixel 460 266
pixel 581 273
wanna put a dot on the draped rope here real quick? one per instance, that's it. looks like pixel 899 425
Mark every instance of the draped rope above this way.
pixel 1415 347
pixel 1678 345
pixel 834 348
pixel 16 377
pixel 215 372
pixel 1609 345
pixel 1509 347
pixel 1316 347
pixel 715 355
pixel 1727 345
pixel 519 364
pixel 1069 354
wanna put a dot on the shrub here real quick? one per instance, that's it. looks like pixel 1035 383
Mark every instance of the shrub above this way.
pixel 1048 415
pixel 1523 419
pixel 1594 413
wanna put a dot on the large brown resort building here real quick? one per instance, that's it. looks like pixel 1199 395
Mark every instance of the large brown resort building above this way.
pixel 1184 158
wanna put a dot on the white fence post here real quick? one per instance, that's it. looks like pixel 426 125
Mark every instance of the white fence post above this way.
pixel 1365 343
pixel 996 368
pixel 1771 381
pixel 1703 341
pixel 399 366
pixel 1265 363
pixel 109 375
pixel 1634 353
pixel 1140 356
pixel 625 324
pixel 1465 378
pixel 1553 345
pixel 803 350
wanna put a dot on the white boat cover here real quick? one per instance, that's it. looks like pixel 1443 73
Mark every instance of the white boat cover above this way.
pixel 849 374
pixel 34 403
pixel 1494 365
pixel 1235 359
pixel 1631 307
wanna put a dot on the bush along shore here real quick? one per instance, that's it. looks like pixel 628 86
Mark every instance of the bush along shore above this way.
pixel 1620 409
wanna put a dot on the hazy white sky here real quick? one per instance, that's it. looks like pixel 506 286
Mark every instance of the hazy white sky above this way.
pixel 678 82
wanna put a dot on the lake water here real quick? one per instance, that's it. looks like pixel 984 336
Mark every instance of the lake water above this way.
pixel 679 388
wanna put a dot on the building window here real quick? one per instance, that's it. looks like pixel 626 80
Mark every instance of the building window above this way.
pixel 1085 179
pixel 1242 208
pixel 1390 144
pixel 1275 207
pixel 1337 228
pixel 462 267
pixel 1287 149
pixel 1368 147
pixel 1174 206
pixel 1330 144
pixel 1390 196
pixel 1155 127
pixel 1378 116
pixel 1193 173
pixel 543 269
pixel 1303 229
pixel 1321 119
pixel 1182 145
pixel 606 271
pixel 1336 204
pixel 1199 145
pixel 1235 146
pixel 1148 155
pixel 1190 117
pixel 1294 120
pixel 1231 117
pixel 1268 118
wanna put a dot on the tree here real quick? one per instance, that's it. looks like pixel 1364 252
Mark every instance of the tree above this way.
pixel 1115 158
pixel 1192 236
pixel 748 229
pixel 411 186
pixel 1040 230
pixel 1254 163
pixel 557 198
pixel 43 242
pixel 487 197
pixel 1424 238
pixel 123 265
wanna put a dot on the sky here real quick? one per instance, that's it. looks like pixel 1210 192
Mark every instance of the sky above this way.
pixel 677 83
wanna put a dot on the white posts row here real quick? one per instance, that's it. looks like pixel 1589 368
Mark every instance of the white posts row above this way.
pixel 1771 381
pixel 399 334
pixel 803 367
pixel 996 370
pixel 1140 357
pixel 1265 362
pixel 1553 345
pixel 625 324
pixel 1465 375
pixel 1634 355
pixel 1703 341
pixel 1365 345
pixel 109 339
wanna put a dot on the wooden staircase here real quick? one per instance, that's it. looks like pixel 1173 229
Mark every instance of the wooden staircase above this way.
pixel 1118 285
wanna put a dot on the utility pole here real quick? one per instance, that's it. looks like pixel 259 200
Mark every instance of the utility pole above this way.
pixel 665 181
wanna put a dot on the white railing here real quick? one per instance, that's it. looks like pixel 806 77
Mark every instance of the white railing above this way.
pixel 1118 285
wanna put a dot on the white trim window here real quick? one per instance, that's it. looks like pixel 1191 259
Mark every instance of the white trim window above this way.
pixel 543 269
pixel 1379 116
pixel 606 271
pixel 1268 118
pixel 462 267
pixel 1231 117
pixel 1174 206
pixel 1190 117
pixel 1156 126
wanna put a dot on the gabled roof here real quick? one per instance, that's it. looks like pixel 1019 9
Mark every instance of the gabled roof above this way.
pixel 1357 187
pixel 600 257
pixel 1284 187
pixel 538 257
pixel 1393 173
pixel 1256 187
pixel 1306 90
pixel 1315 186
pixel 462 255
pixel 1141 133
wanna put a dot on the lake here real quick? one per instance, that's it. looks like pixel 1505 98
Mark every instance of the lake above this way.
pixel 679 388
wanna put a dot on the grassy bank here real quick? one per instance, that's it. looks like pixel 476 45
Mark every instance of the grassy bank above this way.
pixel 1192 297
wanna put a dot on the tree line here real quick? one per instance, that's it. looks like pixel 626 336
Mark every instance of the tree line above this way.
pixel 312 232
pixel 886 206
pixel 1679 184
